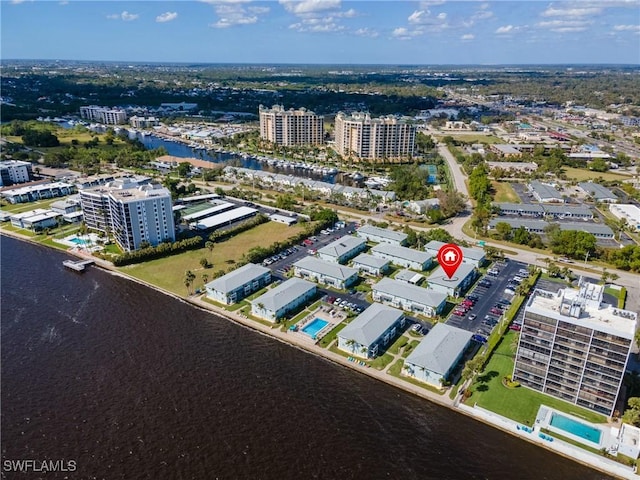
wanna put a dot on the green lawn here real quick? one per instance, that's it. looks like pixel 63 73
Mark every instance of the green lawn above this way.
pixel 396 371
pixel 581 174
pixel 331 336
pixel 398 344
pixel 520 404
pixel 504 193
pixel 168 273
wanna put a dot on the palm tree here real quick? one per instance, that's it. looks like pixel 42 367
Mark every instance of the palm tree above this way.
pixel 189 277
pixel 351 343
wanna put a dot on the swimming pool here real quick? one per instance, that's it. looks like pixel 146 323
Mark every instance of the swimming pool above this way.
pixel 313 327
pixel 78 241
pixel 579 429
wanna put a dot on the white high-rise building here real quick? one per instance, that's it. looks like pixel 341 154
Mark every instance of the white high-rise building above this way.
pixel 384 138
pixel 574 347
pixel 14 171
pixel 132 213
pixel 291 127
pixel 105 115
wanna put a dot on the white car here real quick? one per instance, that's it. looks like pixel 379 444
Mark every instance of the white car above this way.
pixel 508 291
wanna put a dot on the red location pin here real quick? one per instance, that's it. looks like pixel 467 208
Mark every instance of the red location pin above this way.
pixel 450 257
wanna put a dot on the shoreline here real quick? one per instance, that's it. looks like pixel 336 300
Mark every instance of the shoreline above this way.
pixel 488 418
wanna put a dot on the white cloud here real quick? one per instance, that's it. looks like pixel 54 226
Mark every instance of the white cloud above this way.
pixel 467 36
pixel 124 16
pixel 309 6
pixel 505 29
pixel 235 12
pixel 348 14
pixel 565 26
pixel 575 11
pixel 366 32
pixel 166 17
pixel 441 16
pixel 17 2
pixel 403 33
pixel 317 25
pixel 627 28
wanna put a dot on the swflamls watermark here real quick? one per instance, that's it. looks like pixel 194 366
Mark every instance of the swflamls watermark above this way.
pixel 38 466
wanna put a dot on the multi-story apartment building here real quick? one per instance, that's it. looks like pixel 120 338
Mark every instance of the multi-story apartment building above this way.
pixel 14 171
pixel 574 347
pixel 291 127
pixel 384 138
pixel 106 115
pixel 132 213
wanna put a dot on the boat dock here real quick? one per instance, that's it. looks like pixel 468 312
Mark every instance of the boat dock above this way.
pixel 77 266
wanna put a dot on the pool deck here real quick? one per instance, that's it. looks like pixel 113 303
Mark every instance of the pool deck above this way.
pixel 323 313
pixel 543 420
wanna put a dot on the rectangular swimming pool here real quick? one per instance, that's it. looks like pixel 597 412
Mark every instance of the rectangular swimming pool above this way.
pixel 576 428
pixel 313 327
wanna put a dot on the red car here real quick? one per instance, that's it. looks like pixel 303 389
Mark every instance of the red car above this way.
pixel 516 328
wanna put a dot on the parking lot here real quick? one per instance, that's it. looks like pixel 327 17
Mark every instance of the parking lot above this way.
pixel 480 318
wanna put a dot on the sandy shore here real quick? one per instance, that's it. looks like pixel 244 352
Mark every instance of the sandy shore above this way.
pixel 576 454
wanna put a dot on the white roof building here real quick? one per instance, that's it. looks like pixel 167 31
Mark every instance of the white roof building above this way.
pixel 284 298
pixel 404 256
pixel 381 235
pixel 470 255
pixel 409 297
pixel 628 212
pixel 329 273
pixel 342 249
pixel 236 285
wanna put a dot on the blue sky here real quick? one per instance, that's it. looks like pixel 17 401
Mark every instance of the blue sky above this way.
pixel 324 31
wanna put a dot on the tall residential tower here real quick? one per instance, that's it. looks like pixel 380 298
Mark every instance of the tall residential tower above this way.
pixel 291 127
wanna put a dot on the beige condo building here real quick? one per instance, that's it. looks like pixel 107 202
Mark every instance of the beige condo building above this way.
pixel 384 138
pixel 291 127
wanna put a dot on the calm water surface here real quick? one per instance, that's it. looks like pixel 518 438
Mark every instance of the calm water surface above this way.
pixel 132 384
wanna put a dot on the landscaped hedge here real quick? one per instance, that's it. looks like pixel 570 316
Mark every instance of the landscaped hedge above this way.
pixel 222 235
pixel 622 298
pixel 162 250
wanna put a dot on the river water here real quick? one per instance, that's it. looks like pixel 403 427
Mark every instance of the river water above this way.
pixel 133 384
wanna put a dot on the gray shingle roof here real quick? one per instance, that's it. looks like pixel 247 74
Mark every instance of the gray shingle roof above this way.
pixel 382 232
pixel 370 261
pixel 404 253
pixel 233 280
pixel 371 324
pixel 327 269
pixel 568 210
pixel 544 190
pixel 440 348
pixel 284 294
pixel 530 208
pixel 598 191
pixel 408 276
pixel 341 246
pixel 410 292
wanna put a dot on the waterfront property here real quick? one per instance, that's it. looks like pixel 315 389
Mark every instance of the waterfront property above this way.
pixel 35 220
pixel 342 249
pixel 437 355
pixel 283 299
pixel 574 347
pixel 454 287
pixel 291 127
pixel 135 214
pixel 368 335
pixel 240 283
pixel 328 273
pixel 409 297
pixel 106 115
pixel 470 255
pixel 382 235
pixel 370 264
pixel 576 429
pixel 403 256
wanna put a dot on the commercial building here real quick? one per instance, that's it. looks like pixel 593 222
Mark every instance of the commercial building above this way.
pixel 286 297
pixel 328 273
pixel 14 171
pixel 580 212
pixel 368 335
pixel 403 256
pixel 105 115
pixel 381 235
pixel 135 214
pixel 409 297
pixel 598 192
pixel 521 209
pixel 454 287
pixel 226 218
pixel 628 212
pixel 291 127
pixel 545 193
pixel 436 357
pixel 236 285
pixel 384 138
pixel 370 264
pixel 470 255
pixel 342 249
pixel 574 347
pixel 32 193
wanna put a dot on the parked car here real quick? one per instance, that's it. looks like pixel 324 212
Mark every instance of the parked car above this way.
pixel 515 327
pixel 479 338
pixel 472 297
pixel 509 291
pixel 496 311
pixel 472 317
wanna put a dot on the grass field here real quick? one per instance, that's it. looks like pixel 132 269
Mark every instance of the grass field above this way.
pixel 471 138
pixel 520 404
pixel 504 193
pixel 581 175
pixel 168 273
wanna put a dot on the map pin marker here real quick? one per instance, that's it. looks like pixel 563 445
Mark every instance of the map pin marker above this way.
pixel 450 257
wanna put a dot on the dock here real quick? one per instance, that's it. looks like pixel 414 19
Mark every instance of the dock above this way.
pixel 77 266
